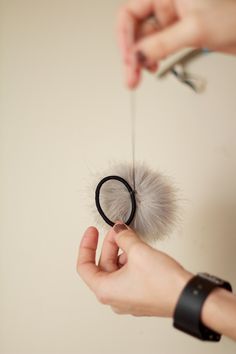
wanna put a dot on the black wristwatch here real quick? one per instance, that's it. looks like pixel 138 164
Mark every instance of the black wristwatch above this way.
pixel 187 315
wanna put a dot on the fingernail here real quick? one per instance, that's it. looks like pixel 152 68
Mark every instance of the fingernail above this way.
pixel 141 58
pixel 148 68
pixel 119 227
pixel 151 67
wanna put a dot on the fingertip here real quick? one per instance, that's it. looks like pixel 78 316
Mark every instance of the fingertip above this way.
pixel 90 236
pixel 152 68
pixel 118 229
pixel 112 233
pixel 143 52
pixel 126 238
pixel 133 79
pixel 91 229
pixel 131 86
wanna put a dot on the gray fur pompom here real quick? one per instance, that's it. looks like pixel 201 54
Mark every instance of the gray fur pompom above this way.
pixel 156 200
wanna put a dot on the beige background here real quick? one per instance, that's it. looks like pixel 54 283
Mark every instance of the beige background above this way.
pixel 64 115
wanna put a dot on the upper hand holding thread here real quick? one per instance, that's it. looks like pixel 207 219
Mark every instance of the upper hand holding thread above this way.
pixel 179 24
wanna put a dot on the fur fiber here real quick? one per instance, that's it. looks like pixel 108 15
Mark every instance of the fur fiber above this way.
pixel 156 212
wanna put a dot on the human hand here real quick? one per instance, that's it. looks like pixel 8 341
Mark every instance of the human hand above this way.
pixel 141 281
pixel 150 30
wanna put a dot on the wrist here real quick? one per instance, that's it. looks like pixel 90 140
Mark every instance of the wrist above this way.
pixel 199 309
pixel 183 278
pixel 219 312
pixel 165 297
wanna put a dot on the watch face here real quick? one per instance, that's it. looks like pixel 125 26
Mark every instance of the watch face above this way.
pixel 212 278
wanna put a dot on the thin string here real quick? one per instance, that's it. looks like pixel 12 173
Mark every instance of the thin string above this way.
pixel 133 121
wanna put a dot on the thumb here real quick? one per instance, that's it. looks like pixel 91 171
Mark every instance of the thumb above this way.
pixel 182 34
pixel 125 237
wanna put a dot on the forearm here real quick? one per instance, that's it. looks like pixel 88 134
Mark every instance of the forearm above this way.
pixel 219 312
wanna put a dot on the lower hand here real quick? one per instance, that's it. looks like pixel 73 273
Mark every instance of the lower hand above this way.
pixel 141 281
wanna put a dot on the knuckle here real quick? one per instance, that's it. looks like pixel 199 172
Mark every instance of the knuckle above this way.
pixel 109 266
pixel 164 6
pixel 102 296
pixel 121 11
pixel 161 48
pixel 116 310
pixel 122 237
pixel 78 269
pixel 135 250
pixel 134 314
pixel 196 26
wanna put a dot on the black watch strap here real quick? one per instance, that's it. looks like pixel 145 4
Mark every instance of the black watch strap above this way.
pixel 187 315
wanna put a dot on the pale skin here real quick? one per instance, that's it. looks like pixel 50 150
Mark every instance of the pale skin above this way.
pixel 178 24
pixel 143 281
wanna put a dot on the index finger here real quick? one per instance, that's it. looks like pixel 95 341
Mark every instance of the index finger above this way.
pixel 128 18
pixel 86 266
pixel 109 253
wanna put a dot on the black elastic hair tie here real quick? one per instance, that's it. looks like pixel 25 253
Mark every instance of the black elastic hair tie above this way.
pixel 132 197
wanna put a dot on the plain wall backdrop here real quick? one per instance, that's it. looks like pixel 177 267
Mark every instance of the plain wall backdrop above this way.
pixel 64 115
